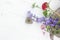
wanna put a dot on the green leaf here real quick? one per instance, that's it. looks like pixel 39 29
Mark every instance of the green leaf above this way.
pixel 37 6
pixel 56 31
pixel 45 13
pixel 33 5
pixel 48 28
pixel 58 22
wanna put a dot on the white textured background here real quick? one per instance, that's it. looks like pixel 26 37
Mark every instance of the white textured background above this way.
pixel 12 20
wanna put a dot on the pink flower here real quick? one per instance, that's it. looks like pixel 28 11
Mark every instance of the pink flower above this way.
pixel 43 26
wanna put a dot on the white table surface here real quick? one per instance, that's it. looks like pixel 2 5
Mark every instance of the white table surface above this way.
pixel 12 21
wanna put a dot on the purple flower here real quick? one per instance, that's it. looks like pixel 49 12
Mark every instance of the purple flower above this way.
pixel 47 22
pixel 40 19
pixel 29 14
pixel 51 21
pixel 52 25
